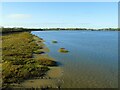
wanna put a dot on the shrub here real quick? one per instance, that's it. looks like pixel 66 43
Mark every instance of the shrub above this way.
pixel 63 50
pixel 54 41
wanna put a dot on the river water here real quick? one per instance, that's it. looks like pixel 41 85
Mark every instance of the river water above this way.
pixel 92 61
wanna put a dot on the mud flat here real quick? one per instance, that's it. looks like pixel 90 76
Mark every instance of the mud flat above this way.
pixel 52 79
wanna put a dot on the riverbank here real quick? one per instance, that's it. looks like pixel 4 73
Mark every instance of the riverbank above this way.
pixel 25 56
pixel 51 78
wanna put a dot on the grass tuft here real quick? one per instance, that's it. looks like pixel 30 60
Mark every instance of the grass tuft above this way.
pixel 63 50
pixel 54 41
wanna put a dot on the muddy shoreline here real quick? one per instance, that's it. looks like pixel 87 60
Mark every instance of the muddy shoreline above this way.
pixel 26 57
pixel 52 78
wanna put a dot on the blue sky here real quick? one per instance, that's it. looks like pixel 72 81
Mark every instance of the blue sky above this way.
pixel 60 14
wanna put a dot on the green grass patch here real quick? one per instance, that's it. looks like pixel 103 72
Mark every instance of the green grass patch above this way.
pixel 54 41
pixel 63 50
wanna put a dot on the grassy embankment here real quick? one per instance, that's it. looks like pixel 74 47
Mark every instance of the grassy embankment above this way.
pixel 18 61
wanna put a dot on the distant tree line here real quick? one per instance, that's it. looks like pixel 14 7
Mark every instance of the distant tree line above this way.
pixel 8 30
pixel 90 29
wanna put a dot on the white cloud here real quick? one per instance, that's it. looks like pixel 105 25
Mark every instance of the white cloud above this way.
pixel 19 16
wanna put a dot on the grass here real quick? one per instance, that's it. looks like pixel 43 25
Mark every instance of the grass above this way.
pixel 46 62
pixel 18 63
pixel 54 41
pixel 63 50
pixel 39 51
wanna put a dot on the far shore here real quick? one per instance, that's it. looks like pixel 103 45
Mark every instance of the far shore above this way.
pixel 19 29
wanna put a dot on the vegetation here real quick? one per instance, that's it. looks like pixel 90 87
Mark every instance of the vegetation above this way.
pixel 11 30
pixel 39 51
pixel 18 63
pixel 89 29
pixel 46 62
pixel 63 50
pixel 54 41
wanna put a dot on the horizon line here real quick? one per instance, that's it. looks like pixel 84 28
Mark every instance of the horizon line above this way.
pixel 57 27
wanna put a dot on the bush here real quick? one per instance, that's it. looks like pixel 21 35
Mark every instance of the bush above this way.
pixel 54 41
pixel 63 50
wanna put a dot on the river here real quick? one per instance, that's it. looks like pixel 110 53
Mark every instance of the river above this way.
pixel 92 60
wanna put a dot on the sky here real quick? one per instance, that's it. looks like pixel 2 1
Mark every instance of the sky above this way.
pixel 60 14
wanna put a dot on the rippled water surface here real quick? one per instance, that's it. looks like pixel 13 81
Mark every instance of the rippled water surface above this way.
pixel 92 60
